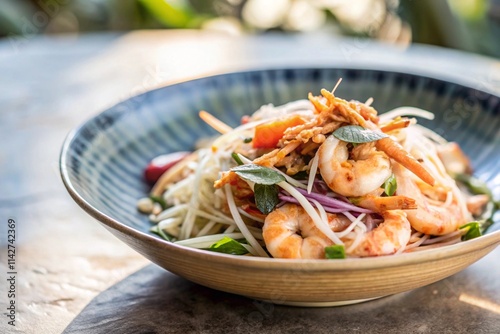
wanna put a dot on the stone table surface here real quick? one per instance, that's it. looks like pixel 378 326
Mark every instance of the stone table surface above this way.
pixel 65 261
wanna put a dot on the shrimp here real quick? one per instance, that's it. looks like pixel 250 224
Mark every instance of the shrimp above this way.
pixel 290 233
pixel 431 216
pixel 381 204
pixel 476 203
pixel 454 159
pixel 391 236
pixel 352 114
pixel 365 172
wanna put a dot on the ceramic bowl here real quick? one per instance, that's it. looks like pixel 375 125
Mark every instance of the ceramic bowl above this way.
pixel 102 164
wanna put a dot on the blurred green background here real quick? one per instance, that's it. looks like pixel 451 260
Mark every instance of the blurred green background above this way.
pixel 470 25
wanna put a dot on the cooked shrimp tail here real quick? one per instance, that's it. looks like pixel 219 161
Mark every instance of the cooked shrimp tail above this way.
pixel 395 125
pixel 382 204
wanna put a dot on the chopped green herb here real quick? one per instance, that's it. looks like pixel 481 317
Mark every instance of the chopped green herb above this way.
pixel 335 252
pixel 247 140
pixel 390 185
pixel 477 187
pixel 266 197
pixel 473 230
pixel 159 200
pixel 355 200
pixel 486 219
pixel 474 185
pixel 357 134
pixel 302 175
pixel 258 174
pixel 228 246
pixel 236 158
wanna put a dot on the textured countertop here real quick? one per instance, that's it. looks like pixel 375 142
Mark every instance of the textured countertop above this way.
pixel 63 259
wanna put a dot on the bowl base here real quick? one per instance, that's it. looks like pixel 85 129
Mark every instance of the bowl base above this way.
pixel 325 304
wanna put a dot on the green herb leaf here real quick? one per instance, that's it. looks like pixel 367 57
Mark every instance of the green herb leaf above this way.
pixel 236 158
pixel 477 187
pixel 258 174
pixel 247 140
pixel 357 134
pixel 474 185
pixel 266 197
pixel 228 246
pixel 473 230
pixel 302 175
pixel 335 252
pixel 485 224
pixel 390 185
pixel 159 200
pixel 486 219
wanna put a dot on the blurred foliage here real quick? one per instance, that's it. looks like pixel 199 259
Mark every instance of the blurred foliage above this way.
pixel 472 25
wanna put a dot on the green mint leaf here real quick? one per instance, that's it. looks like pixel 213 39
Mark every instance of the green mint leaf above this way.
pixel 236 158
pixel 266 197
pixel 228 246
pixel 258 174
pixel 335 252
pixel 390 185
pixel 357 134
pixel 473 230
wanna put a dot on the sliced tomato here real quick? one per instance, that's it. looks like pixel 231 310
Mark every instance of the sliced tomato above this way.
pixel 161 164
pixel 269 134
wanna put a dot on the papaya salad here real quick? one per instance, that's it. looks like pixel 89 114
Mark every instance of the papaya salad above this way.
pixel 319 178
